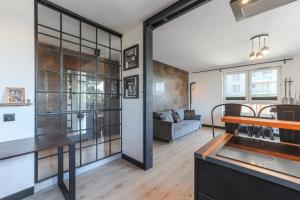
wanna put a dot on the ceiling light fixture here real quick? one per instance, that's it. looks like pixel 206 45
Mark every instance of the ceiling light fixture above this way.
pixel 252 55
pixel 245 2
pixel 265 49
pixel 261 51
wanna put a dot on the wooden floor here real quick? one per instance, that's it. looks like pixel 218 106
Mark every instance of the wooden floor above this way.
pixel 172 176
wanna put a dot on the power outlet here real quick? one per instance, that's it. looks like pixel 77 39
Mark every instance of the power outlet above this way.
pixel 8 117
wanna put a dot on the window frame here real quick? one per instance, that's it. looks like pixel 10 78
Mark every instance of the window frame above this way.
pixel 248 84
pixel 278 86
pixel 234 99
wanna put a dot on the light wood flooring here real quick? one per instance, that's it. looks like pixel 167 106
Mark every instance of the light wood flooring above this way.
pixel 171 178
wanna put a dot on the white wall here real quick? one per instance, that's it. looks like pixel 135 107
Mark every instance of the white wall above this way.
pixel 209 87
pixel 207 94
pixel 17 70
pixel 132 114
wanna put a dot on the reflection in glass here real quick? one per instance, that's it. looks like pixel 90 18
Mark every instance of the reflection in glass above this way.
pixel 115 132
pixel 116 56
pixel 47 167
pixel 103 69
pixel 49 81
pixel 103 150
pixel 88 83
pixel 115 42
pixel 76 89
pixel 48 102
pixel 70 101
pixel 49 59
pixel 103 134
pixel 103 37
pixel 115 146
pixel 70 123
pixel 48 124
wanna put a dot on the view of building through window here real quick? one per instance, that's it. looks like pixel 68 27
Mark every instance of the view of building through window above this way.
pixel 263 85
pixel 235 85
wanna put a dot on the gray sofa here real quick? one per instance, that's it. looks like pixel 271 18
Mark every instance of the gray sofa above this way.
pixel 168 130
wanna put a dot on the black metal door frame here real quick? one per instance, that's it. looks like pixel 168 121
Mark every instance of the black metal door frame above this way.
pixel 172 12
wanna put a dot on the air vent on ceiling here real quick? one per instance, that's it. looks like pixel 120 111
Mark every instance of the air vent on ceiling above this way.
pixel 243 9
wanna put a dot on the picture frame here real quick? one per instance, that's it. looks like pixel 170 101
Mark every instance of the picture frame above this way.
pixel 15 95
pixel 131 87
pixel 131 58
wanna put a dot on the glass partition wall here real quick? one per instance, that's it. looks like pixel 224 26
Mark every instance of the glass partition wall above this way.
pixel 77 88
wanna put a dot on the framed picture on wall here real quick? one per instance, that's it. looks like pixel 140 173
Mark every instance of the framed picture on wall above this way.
pixel 131 57
pixel 15 95
pixel 131 87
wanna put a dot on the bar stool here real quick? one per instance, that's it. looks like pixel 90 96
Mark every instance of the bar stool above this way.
pixel 232 109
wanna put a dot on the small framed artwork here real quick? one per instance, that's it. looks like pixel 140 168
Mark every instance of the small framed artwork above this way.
pixel 131 87
pixel 15 95
pixel 131 57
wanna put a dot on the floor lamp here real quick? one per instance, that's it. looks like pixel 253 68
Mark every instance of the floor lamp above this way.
pixel 192 84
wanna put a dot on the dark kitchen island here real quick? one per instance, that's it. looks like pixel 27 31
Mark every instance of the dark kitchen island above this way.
pixel 232 167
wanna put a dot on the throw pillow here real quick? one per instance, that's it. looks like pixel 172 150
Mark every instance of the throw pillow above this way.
pixel 156 115
pixel 176 117
pixel 167 116
pixel 189 114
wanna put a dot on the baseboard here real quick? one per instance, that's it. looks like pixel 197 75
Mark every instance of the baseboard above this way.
pixel 133 161
pixel 20 195
pixel 210 126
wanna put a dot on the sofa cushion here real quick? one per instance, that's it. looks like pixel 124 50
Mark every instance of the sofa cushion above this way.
pixel 176 117
pixel 189 114
pixel 185 127
pixel 167 116
pixel 181 113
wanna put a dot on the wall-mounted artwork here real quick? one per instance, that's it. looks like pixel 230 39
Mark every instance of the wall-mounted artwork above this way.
pixel 131 87
pixel 15 95
pixel 131 57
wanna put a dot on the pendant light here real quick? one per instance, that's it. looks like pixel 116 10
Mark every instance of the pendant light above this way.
pixel 259 55
pixel 265 49
pixel 252 55
pixel 261 51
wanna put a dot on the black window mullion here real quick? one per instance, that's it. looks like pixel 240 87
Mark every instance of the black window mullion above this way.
pixel 61 74
pixel 109 97
pixel 96 99
pixel 80 52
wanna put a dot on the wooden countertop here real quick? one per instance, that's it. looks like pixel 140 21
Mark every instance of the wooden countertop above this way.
pixel 31 145
pixel 291 125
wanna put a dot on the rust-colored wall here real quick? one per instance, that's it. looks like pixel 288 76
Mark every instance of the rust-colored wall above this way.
pixel 170 87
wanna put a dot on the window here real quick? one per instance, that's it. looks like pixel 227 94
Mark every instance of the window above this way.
pixel 252 85
pixel 264 84
pixel 235 86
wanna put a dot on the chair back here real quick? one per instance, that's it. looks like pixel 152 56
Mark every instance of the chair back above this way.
pixel 289 113
pixel 231 109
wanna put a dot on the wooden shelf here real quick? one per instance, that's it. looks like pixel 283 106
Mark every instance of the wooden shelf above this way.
pixel 15 104
pixel 290 125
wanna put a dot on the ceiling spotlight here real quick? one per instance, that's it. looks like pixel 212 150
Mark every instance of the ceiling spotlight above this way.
pixel 245 2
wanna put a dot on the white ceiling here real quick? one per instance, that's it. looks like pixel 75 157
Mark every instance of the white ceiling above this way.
pixel 210 37
pixel 119 15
